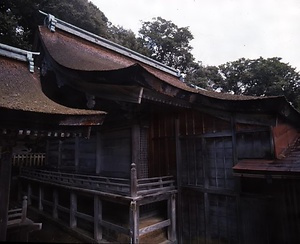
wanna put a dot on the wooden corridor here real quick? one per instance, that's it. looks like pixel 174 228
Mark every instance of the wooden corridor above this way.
pixel 82 202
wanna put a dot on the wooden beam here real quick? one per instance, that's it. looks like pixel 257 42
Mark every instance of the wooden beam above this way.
pixel 5 175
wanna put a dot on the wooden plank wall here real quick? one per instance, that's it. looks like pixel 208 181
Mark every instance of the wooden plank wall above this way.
pixel 72 154
pixel 208 203
pixel 162 145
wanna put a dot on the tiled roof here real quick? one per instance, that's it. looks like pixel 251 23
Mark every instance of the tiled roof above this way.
pixel 21 90
pixel 290 164
pixel 76 53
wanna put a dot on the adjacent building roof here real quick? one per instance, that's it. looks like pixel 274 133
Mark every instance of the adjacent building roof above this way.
pixel 285 167
pixel 20 90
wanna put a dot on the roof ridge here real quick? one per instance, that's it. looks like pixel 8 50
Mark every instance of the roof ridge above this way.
pixel 19 54
pixel 53 23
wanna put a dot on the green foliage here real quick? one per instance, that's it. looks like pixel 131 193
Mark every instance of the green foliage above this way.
pixel 81 13
pixel 167 43
pixel 126 38
pixel 20 18
pixel 203 76
pixel 260 77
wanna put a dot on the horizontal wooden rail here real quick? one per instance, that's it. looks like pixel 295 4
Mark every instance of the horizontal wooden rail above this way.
pixel 154 227
pixel 118 186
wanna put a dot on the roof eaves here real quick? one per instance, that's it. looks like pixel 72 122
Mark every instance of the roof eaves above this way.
pixel 18 54
pixel 53 23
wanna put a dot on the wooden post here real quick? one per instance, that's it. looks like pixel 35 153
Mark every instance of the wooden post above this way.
pixel 98 153
pixel 97 218
pixel 29 192
pixel 73 210
pixel 133 181
pixel 41 193
pixel 76 152
pixel 134 222
pixel 59 154
pixel 172 217
pixel 5 175
pixel 55 203
pixel 24 208
pixel 135 145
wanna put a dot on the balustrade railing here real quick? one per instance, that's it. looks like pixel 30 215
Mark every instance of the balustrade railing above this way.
pixel 28 159
pixel 128 187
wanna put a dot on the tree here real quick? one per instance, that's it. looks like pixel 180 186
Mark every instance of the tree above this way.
pixel 260 77
pixel 203 76
pixel 167 43
pixel 19 18
pixel 125 38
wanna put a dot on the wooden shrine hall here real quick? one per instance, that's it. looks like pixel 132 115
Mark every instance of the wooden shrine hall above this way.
pixel 132 154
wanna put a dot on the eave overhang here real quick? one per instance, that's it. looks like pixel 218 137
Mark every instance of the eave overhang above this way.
pixel 91 61
pixel 23 102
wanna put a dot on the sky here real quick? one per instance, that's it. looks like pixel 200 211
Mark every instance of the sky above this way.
pixel 223 30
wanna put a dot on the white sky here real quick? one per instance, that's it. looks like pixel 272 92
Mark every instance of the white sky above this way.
pixel 223 30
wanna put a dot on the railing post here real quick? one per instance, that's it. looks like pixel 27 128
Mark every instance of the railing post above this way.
pixel 24 208
pixel 73 210
pixel 172 217
pixel 97 218
pixel 55 203
pixel 134 215
pixel 133 181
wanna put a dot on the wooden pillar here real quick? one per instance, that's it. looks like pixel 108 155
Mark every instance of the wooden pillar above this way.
pixel 41 196
pixel 134 213
pixel 29 192
pixel 59 154
pixel 98 153
pixel 5 175
pixel 76 152
pixel 135 145
pixel 73 210
pixel 172 217
pixel 97 218
pixel 55 203
pixel 133 181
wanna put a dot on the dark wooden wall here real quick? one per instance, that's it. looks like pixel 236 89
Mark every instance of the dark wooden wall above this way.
pixel 72 154
pixel 162 145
